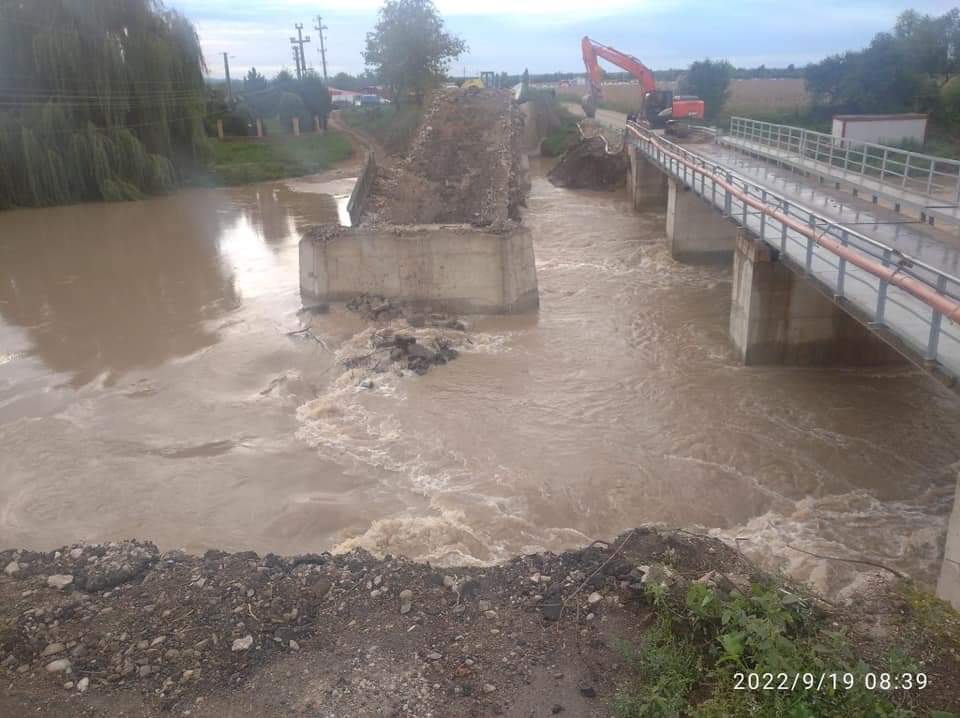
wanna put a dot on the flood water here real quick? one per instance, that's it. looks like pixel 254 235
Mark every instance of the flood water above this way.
pixel 150 387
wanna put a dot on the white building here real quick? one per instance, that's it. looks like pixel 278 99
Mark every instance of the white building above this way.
pixel 881 129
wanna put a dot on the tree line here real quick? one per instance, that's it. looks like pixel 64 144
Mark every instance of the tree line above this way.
pixel 912 68
pixel 283 97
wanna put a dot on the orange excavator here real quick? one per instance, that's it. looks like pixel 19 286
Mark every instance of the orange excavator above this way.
pixel 659 109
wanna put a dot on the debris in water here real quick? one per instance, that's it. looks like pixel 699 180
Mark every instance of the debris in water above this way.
pixel 588 165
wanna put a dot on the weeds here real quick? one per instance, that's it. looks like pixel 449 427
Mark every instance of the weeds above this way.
pixel 697 659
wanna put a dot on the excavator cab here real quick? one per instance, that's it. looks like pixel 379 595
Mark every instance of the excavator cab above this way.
pixel 662 110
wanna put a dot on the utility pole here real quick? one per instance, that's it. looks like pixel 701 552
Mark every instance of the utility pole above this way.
pixel 320 27
pixel 299 41
pixel 296 60
pixel 226 70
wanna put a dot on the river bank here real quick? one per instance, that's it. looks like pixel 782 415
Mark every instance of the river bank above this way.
pixel 246 161
pixel 94 629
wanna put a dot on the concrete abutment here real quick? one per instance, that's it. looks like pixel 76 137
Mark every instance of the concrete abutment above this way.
pixel 778 316
pixel 451 268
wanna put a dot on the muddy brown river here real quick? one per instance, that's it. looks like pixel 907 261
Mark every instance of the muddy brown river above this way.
pixel 150 387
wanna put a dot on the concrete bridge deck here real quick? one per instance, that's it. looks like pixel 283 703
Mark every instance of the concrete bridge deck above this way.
pixel 896 279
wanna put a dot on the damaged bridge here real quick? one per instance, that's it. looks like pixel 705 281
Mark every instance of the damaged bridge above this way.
pixel 808 288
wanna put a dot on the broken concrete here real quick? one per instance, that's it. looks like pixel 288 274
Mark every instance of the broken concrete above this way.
pixel 441 226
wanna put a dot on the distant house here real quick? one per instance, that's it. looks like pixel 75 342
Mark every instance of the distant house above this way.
pixel 348 98
pixel 344 97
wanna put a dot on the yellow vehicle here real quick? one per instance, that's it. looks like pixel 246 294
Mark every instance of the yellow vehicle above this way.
pixel 472 82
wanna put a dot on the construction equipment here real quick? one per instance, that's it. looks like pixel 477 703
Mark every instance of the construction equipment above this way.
pixel 659 109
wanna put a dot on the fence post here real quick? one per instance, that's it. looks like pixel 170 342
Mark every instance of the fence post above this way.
pixel 259 127
pixel 296 126
pixel 316 123
pixel 220 129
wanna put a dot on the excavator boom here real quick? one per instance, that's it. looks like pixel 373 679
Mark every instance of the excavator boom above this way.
pixel 592 50
pixel 657 108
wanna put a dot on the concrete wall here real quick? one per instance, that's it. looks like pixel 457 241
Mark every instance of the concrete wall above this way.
pixel 361 190
pixel 779 317
pixel 449 268
pixel 696 232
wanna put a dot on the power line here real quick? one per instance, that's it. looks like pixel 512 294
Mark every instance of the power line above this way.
pixel 139 125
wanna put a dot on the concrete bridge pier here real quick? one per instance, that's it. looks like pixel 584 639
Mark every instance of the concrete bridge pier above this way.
pixel 778 316
pixel 696 232
pixel 647 182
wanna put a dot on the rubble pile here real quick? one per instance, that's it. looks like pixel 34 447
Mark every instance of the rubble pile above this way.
pixel 588 165
pixel 388 636
pixel 464 166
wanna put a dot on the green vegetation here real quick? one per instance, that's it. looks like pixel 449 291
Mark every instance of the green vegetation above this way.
pixel 102 100
pixel 709 81
pixel 393 126
pixel 697 659
pixel 240 162
pixel 278 101
pixel 409 49
pixel 555 124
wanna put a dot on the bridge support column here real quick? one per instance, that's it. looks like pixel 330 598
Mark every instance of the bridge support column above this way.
pixel 647 183
pixel 778 317
pixel 696 232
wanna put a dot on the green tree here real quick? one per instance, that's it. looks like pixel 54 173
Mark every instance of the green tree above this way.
pixel 315 96
pixel 101 100
pixel 254 81
pixel 903 70
pixel 409 47
pixel 709 80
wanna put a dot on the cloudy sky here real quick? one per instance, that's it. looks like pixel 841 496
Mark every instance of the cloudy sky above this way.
pixel 544 35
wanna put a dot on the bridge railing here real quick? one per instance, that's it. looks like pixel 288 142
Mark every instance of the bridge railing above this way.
pixel 935 179
pixel 917 303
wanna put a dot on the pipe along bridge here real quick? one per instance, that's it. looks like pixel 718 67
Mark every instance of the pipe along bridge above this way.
pixel 808 288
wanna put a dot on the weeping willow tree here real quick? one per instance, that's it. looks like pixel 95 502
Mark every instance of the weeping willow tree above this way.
pixel 99 99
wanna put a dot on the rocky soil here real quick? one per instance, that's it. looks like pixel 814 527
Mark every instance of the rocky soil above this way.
pixel 107 628
pixel 125 629
pixel 465 165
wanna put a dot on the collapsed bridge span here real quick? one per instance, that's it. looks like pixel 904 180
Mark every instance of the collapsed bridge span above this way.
pixel 441 227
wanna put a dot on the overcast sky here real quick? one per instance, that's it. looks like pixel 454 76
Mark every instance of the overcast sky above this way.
pixel 544 35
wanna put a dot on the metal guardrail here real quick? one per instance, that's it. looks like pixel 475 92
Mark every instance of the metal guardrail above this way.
pixel 886 288
pixel 934 181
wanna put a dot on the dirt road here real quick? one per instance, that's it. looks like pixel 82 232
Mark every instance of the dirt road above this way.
pixel 360 140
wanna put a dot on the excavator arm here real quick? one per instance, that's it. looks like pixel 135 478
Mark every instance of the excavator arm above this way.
pixel 591 52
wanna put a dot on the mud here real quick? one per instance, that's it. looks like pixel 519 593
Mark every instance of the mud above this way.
pixel 464 165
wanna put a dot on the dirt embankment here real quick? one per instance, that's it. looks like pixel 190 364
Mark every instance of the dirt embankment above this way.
pixel 101 629
pixel 123 629
pixel 465 165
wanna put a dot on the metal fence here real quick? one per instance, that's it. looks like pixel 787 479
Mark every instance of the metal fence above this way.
pixel 910 300
pixel 933 179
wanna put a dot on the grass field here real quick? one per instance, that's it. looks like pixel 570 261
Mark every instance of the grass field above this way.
pixel 746 97
pixel 244 161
